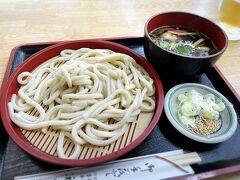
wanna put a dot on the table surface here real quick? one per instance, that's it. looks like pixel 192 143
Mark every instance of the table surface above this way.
pixel 26 21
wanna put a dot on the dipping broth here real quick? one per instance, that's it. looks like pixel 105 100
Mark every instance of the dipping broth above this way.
pixel 183 41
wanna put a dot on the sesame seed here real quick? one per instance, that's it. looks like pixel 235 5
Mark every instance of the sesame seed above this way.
pixel 205 126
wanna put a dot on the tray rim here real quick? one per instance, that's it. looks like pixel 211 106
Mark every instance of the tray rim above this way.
pixel 202 175
pixel 13 51
pixel 42 55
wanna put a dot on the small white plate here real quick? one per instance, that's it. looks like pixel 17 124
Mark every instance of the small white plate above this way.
pixel 229 116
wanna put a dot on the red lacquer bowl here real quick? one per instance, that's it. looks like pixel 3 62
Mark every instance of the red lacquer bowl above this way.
pixel 34 61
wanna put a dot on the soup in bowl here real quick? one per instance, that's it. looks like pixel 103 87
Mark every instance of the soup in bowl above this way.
pixel 183 44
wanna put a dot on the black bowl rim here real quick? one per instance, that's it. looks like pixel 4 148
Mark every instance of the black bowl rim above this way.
pixel 192 14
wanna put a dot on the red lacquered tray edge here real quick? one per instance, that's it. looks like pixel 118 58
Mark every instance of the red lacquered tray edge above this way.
pixel 19 139
pixel 207 174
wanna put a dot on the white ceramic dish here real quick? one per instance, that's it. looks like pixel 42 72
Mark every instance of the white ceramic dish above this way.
pixel 229 117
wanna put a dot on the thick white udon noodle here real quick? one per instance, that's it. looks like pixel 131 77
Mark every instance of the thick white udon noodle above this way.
pixel 79 92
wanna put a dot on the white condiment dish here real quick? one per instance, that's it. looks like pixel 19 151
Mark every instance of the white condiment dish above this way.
pixel 228 115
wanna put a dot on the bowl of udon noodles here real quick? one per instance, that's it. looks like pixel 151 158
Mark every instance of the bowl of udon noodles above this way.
pixel 82 102
pixel 182 44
